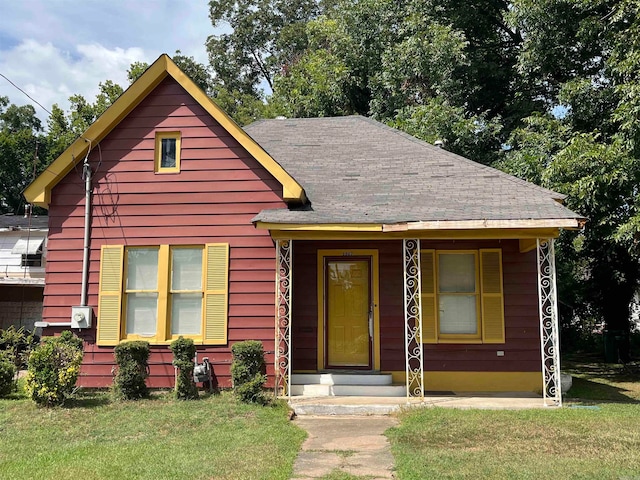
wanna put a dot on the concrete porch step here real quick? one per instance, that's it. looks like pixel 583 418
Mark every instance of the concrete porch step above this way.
pixel 362 384
pixel 342 378
pixel 319 390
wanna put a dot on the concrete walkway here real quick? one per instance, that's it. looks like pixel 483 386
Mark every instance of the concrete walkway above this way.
pixel 353 445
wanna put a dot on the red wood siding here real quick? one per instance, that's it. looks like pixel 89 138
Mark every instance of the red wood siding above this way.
pixel 522 328
pixel 219 190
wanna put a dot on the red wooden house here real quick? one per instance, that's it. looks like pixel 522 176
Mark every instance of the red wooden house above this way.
pixel 343 245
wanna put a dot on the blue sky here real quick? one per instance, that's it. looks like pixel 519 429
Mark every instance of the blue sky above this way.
pixel 56 48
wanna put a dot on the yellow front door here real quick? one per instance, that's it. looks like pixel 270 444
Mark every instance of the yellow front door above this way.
pixel 348 311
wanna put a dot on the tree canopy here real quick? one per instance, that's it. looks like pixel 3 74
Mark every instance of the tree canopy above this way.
pixel 548 90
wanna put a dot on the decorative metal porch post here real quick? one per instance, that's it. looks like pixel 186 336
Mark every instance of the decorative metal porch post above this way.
pixel 549 338
pixel 284 271
pixel 413 319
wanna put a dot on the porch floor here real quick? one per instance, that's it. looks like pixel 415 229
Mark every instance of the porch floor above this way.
pixel 336 405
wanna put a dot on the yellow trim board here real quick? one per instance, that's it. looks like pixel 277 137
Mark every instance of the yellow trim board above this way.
pixel 39 191
pixel 528 244
pixel 375 292
pixel 476 381
pixel 326 233
pixel 570 223
pixel 320 227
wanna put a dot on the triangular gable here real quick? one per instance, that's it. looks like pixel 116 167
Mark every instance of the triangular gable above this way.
pixel 39 191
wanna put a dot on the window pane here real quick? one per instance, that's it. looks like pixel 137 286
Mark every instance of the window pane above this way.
pixel 457 272
pixel 186 313
pixel 168 158
pixel 458 314
pixel 142 313
pixel 142 269
pixel 186 271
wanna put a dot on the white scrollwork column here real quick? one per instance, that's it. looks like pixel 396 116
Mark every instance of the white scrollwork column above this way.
pixel 549 334
pixel 284 302
pixel 413 318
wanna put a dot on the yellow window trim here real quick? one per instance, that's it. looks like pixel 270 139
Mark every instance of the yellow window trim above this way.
pixel 480 295
pixel 168 334
pixel 110 295
pixel 163 334
pixel 459 337
pixel 158 152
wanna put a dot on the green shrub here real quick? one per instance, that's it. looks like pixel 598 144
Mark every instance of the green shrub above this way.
pixel 133 369
pixel 69 338
pixel 53 370
pixel 17 344
pixel 7 375
pixel 247 371
pixel 183 352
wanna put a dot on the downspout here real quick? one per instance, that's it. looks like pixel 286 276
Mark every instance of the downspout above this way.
pixel 86 173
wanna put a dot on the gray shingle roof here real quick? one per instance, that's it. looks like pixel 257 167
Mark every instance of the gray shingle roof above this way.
pixel 356 170
pixel 10 221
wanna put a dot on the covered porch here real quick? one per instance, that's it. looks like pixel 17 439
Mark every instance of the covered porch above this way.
pixel 389 287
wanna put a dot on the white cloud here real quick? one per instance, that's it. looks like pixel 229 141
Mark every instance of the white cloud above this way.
pixel 51 75
pixel 56 48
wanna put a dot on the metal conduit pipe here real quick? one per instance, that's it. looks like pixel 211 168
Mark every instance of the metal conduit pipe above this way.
pixel 86 173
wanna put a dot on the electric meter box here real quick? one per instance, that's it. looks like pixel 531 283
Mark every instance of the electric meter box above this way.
pixel 81 317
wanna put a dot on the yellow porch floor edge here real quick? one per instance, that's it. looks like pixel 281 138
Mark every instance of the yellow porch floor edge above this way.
pixel 477 381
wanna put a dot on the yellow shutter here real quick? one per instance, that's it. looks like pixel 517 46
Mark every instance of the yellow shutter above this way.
pixel 216 293
pixel 492 298
pixel 110 294
pixel 428 274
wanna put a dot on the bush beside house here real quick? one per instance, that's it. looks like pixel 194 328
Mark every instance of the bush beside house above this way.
pixel 133 369
pixel 53 369
pixel 247 371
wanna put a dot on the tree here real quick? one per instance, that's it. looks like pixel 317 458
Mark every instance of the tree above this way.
pixel 23 152
pixel 589 152
pixel 263 34
pixel 196 71
pixel 402 63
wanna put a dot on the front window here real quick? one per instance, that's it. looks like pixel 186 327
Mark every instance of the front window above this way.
pixel 458 294
pixel 156 293
pixel 186 291
pixel 142 291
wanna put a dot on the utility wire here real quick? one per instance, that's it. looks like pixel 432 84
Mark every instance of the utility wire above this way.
pixel 33 99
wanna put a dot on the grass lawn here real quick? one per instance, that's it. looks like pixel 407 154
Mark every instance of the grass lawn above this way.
pixel 160 438
pixel 596 435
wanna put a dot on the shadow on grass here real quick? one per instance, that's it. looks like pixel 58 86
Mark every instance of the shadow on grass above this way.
pixel 88 401
pixel 592 391
pixel 93 398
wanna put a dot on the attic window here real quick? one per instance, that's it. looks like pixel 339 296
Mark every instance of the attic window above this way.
pixel 167 152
